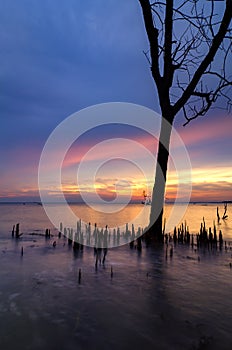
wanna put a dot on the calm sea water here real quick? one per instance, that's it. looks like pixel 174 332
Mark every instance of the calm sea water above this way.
pixel 32 217
pixel 135 300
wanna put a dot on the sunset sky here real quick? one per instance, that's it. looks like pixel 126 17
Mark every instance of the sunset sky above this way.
pixel 58 57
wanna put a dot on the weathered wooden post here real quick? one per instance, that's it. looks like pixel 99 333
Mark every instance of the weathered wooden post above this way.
pixel 175 236
pixel 225 210
pixel 17 234
pixel 218 216
pixel 220 237
pixel 79 276
pixel 13 230
pixel 139 243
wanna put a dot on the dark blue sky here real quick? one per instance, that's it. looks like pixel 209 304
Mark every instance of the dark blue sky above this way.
pixel 58 57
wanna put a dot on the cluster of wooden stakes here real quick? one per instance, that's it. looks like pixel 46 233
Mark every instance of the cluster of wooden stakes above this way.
pixel 205 237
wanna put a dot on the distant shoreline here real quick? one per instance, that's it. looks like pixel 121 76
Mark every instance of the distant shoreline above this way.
pixel 131 203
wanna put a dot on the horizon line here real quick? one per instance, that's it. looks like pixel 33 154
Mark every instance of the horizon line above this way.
pixel 131 202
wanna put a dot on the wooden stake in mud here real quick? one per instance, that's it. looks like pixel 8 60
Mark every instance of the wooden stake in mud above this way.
pixel 13 231
pixel 225 210
pixel 79 276
pixel 218 216
pixel 17 231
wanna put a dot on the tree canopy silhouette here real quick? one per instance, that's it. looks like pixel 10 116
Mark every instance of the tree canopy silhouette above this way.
pixel 190 56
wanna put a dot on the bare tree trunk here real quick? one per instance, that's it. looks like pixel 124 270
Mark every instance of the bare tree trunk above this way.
pixel 156 214
pixel 180 66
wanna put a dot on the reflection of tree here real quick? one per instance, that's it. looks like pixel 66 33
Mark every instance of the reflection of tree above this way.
pixel 185 38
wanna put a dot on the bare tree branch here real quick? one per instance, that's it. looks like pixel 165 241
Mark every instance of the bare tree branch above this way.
pixel 216 42
pixel 168 66
pixel 152 33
